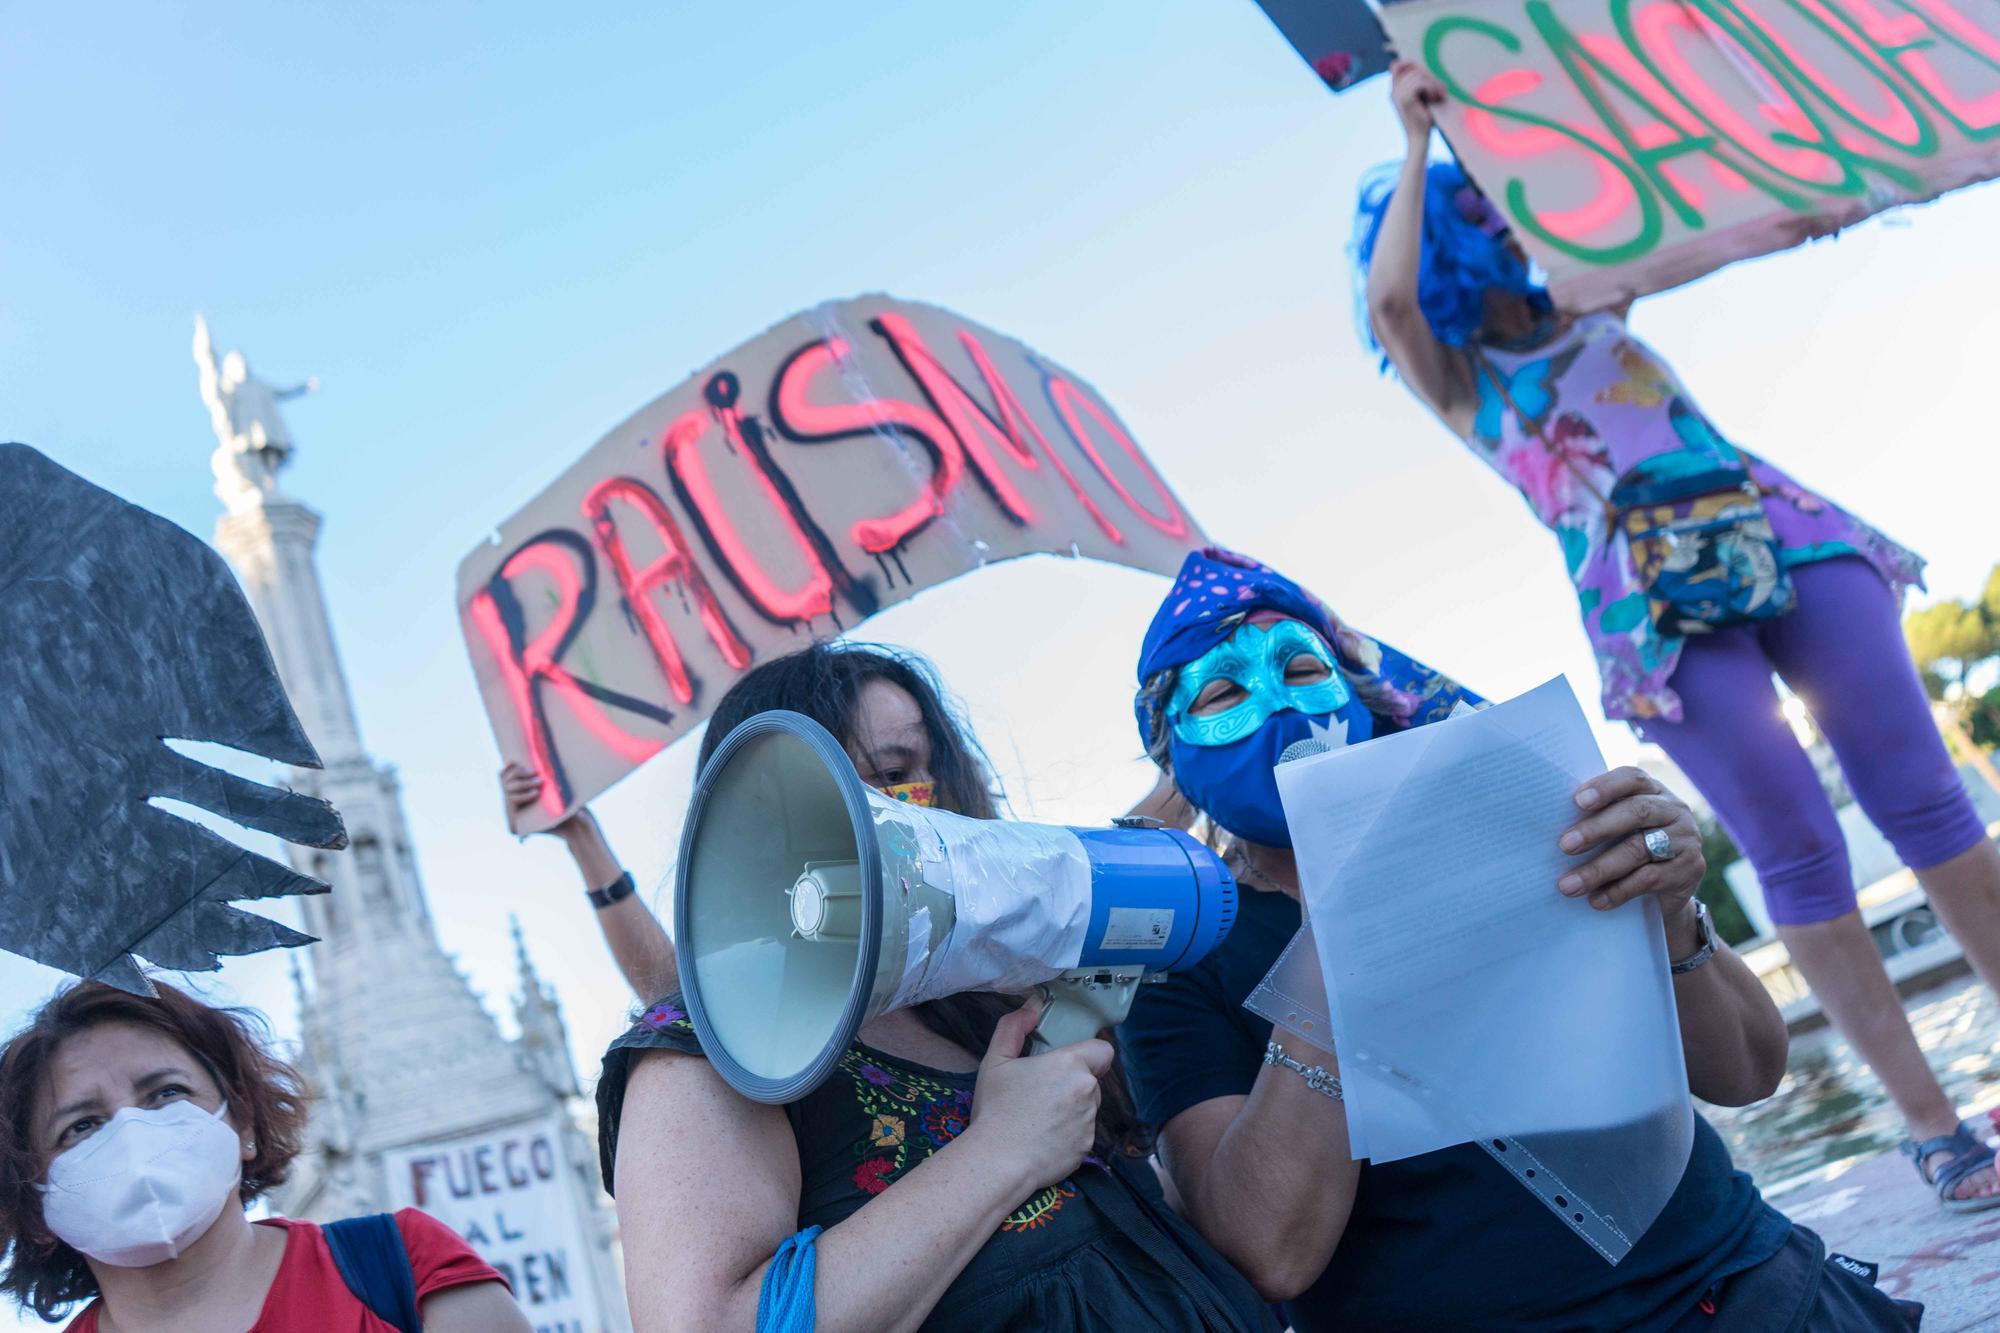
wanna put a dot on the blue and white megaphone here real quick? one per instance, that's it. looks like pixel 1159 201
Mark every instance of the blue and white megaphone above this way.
pixel 807 903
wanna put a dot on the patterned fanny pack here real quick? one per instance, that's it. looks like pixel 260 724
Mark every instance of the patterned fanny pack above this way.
pixel 1702 544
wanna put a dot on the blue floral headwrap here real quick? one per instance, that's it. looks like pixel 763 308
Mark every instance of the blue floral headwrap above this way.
pixel 1233 781
pixel 1216 588
pixel 1462 254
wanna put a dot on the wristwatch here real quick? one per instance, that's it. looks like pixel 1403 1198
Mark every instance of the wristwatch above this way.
pixel 1705 933
pixel 616 891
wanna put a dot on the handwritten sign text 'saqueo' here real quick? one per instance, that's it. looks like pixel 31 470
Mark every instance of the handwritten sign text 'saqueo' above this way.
pixel 1637 144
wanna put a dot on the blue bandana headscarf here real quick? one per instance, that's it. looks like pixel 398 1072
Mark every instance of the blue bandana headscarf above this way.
pixel 1214 591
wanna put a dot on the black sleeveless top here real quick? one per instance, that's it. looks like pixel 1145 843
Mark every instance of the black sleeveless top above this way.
pixel 1098 1251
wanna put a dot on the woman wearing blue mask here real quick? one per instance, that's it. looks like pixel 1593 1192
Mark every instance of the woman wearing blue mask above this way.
pixel 1241 665
pixel 134 1132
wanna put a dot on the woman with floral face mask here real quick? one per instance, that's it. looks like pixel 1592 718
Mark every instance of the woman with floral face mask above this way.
pixel 133 1133
pixel 937 1180
pixel 1239 665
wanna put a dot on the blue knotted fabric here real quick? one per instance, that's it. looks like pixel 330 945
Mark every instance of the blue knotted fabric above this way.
pixel 785 1302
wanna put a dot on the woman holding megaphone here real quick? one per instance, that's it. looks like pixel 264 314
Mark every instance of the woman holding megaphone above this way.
pixel 1239 665
pixel 940 1178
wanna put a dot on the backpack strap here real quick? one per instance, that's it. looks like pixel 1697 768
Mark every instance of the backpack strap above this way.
pixel 375 1265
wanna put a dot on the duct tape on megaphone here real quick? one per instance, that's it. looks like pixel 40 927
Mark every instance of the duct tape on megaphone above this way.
pixel 807 904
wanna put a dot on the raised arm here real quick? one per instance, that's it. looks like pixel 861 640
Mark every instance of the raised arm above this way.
pixel 211 378
pixel 204 350
pixel 1436 373
pixel 701 1215
pixel 637 942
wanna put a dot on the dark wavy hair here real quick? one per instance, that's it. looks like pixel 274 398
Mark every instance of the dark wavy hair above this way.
pixel 824 682
pixel 266 1096
pixel 1463 256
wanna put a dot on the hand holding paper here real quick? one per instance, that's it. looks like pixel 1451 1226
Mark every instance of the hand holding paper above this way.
pixel 1470 1000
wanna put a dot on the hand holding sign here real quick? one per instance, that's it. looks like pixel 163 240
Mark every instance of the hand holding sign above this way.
pixel 1417 96
pixel 1638 144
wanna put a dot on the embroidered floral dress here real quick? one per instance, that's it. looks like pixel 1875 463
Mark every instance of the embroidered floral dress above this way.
pixel 1598 401
pixel 1098 1251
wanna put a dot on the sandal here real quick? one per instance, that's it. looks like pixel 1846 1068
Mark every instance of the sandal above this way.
pixel 1969 1154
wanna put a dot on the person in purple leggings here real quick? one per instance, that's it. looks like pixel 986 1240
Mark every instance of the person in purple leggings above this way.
pixel 1562 407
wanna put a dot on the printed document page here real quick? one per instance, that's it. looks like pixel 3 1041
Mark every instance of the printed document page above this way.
pixel 1469 998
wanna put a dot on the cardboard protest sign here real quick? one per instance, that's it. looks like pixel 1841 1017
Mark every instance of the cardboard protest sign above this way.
pixel 845 460
pixel 121 629
pixel 505 1192
pixel 1340 39
pixel 1639 144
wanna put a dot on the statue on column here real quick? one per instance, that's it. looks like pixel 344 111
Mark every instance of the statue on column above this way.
pixel 253 442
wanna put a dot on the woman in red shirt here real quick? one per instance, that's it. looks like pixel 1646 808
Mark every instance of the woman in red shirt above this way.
pixel 133 1133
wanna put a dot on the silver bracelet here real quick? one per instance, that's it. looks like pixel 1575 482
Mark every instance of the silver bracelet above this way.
pixel 1315 1076
pixel 1704 928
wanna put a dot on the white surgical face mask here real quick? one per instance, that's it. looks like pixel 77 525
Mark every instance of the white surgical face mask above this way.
pixel 145 1186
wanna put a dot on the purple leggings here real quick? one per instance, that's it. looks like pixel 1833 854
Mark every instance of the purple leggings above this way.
pixel 1842 652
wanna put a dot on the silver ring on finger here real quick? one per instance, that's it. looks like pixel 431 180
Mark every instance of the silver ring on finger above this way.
pixel 1659 846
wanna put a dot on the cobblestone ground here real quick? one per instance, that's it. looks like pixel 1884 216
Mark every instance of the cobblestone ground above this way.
pixel 1830 1108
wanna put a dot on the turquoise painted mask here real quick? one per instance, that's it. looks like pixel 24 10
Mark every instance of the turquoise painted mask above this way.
pixel 1254 660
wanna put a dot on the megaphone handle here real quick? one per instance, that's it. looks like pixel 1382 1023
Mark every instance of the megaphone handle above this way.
pixel 1082 1004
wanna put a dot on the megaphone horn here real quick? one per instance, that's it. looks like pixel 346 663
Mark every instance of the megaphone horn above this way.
pixel 807 904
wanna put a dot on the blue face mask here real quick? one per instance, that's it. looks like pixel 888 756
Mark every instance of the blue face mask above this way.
pixel 1224 761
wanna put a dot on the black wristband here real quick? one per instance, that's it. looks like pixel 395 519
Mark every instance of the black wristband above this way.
pixel 616 891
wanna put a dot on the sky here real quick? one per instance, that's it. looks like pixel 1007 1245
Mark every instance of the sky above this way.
pixel 493 231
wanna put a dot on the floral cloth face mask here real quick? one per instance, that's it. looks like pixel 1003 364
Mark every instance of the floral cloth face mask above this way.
pixel 912 793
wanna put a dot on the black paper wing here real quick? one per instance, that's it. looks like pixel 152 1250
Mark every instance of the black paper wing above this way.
pixel 117 630
pixel 1341 40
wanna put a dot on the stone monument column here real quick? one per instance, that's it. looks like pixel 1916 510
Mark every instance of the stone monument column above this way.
pixel 414 1073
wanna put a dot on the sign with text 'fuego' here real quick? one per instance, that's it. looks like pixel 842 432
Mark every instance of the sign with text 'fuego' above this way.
pixel 505 1192
pixel 843 461
pixel 1638 144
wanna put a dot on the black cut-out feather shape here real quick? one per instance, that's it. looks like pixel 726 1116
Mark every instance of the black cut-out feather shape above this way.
pixel 117 630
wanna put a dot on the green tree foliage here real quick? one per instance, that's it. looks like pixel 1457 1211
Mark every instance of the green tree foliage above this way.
pixel 1951 641
pixel 1985 726
pixel 1719 850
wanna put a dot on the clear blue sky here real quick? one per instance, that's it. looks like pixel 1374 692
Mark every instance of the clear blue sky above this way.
pixel 494 230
